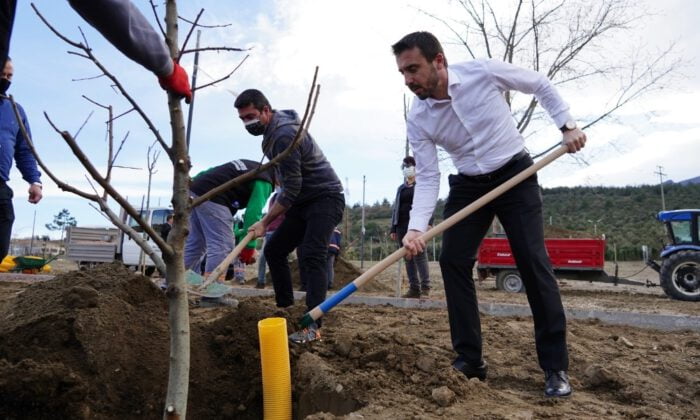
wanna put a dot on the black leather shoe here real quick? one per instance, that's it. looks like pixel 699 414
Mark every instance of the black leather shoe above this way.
pixel 556 384
pixel 469 370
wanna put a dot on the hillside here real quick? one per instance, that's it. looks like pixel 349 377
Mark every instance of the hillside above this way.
pixel 625 215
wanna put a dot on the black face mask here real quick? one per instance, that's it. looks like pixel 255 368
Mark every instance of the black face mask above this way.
pixel 255 127
pixel 4 85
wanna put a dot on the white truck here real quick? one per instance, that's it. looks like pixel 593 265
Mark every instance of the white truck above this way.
pixel 89 246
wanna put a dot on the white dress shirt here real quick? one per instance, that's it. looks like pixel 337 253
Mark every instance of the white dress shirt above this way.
pixel 475 126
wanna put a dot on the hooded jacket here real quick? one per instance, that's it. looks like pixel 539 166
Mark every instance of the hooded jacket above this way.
pixel 305 174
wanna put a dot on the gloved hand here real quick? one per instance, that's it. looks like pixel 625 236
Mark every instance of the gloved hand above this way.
pixel 247 256
pixel 177 83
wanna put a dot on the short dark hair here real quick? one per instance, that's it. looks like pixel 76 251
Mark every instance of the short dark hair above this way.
pixel 409 161
pixel 426 42
pixel 251 97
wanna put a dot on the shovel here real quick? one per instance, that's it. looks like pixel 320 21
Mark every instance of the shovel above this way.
pixel 350 288
pixel 207 287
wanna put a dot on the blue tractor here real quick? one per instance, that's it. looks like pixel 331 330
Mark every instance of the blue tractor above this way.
pixel 679 271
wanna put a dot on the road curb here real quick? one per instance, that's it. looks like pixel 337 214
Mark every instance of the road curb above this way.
pixel 663 322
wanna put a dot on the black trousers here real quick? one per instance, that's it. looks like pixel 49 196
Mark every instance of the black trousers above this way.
pixel 7 19
pixel 7 217
pixel 520 212
pixel 307 226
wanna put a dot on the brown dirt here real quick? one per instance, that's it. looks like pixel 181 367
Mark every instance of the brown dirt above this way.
pixel 94 344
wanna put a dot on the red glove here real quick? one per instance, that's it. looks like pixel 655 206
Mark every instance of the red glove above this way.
pixel 177 83
pixel 247 256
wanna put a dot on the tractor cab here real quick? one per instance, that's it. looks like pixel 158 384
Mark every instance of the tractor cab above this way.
pixel 682 229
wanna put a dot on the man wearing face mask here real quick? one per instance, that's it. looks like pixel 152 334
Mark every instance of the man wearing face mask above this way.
pixel 311 199
pixel 13 146
pixel 416 266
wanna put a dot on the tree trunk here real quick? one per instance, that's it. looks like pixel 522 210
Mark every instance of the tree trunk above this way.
pixel 178 379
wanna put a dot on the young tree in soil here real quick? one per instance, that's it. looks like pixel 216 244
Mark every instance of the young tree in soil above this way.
pixel 172 251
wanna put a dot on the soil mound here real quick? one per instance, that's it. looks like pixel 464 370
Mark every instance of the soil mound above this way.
pixel 94 345
pixel 84 345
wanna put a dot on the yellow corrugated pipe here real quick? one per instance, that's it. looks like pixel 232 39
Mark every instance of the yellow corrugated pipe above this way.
pixel 276 375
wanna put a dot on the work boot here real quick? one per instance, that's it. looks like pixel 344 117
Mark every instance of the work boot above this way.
pixel 260 285
pixel 425 292
pixel 307 335
pixel 556 384
pixel 412 294
pixel 471 370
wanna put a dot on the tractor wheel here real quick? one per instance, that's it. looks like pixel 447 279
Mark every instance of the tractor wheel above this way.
pixel 680 276
pixel 510 281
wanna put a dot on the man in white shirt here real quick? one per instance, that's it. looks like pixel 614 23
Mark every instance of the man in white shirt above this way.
pixel 463 109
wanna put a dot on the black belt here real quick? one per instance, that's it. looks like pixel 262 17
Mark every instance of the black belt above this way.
pixel 492 176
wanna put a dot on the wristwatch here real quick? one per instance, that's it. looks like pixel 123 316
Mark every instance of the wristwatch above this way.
pixel 568 126
pixel 38 184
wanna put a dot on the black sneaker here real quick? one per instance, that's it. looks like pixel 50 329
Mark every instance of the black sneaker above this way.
pixel 412 294
pixel 425 292
pixel 307 335
pixel 470 370
pixel 556 384
pixel 260 285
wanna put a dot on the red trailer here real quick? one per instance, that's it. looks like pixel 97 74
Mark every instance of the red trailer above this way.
pixel 581 259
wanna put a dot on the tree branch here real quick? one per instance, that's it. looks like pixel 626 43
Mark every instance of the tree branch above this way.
pixel 70 141
pixel 62 185
pixel 187 38
pixel 120 88
pixel 155 13
pixel 223 78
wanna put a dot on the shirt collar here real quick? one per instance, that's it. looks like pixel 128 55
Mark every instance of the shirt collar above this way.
pixel 453 79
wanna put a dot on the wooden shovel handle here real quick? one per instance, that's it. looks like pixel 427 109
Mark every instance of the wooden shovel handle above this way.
pixel 466 211
pixel 225 263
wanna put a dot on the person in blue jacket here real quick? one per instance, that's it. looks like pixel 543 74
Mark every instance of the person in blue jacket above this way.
pixel 13 146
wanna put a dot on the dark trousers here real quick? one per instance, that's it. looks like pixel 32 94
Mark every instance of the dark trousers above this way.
pixel 7 217
pixel 417 268
pixel 309 227
pixel 7 18
pixel 520 212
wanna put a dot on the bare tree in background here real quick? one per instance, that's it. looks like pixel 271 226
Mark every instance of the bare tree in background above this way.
pixel 171 263
pixel 570 42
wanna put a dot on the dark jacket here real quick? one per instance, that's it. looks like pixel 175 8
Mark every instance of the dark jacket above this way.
pixel 237 197
pixel 397 207
pixel 334 244
pixel 305 174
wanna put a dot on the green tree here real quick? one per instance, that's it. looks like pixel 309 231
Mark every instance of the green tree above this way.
pixel 60 221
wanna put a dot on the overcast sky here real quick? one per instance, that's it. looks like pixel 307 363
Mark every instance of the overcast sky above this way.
pixel 359 119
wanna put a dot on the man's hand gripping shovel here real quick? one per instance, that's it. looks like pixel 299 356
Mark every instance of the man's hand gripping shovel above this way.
pixel 317 312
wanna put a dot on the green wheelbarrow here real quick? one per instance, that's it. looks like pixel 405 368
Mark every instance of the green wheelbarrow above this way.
pixel 30 264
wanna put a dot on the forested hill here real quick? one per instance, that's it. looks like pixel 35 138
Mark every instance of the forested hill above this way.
pixel 625 215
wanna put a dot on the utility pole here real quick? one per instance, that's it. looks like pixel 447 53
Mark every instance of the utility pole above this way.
pixel 193 84
pixel 661 174
pixel 362 231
